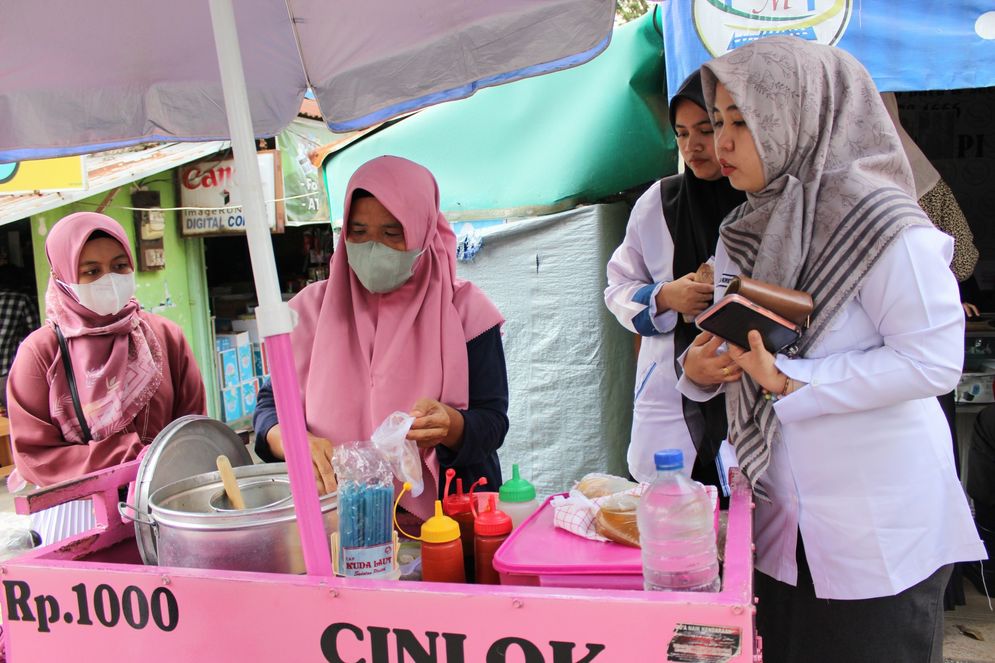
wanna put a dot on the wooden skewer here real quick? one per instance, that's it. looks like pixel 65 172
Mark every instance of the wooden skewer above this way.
pixel 231 484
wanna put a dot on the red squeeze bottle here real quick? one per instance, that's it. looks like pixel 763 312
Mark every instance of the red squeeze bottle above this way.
pixel 459 507
pixel 441 550
pixel 490 529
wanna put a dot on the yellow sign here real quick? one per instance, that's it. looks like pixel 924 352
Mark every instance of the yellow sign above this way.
pixel 61 174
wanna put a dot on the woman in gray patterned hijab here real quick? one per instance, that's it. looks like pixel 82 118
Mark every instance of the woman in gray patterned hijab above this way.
pixel 838 191
pixel 841 436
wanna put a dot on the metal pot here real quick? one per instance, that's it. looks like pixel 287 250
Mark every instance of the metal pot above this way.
pixel 195 526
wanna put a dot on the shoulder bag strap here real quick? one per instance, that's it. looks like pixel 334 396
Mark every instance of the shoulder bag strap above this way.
pixel 67 364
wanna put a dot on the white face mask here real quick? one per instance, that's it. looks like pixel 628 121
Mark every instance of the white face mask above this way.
pixel 378 267
pixel 107 295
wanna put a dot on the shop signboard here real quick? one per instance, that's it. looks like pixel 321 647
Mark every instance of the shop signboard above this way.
pixel 211 197
pixel 306 200
pixel 60 174
pixel 911 45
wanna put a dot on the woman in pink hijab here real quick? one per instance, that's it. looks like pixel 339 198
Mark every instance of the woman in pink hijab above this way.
pixel 394 329
pixel 133 372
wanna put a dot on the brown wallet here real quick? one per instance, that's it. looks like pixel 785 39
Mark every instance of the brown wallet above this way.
pixel 794 305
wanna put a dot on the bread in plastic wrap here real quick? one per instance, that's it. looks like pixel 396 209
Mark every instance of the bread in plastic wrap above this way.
pixel 616 519
pixel 595 485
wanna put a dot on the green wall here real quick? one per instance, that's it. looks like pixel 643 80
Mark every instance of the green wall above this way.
pixel 178 292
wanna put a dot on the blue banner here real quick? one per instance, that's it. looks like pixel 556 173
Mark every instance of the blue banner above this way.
pixel 906 45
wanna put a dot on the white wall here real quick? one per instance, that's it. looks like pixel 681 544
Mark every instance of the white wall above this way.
pixel 570 364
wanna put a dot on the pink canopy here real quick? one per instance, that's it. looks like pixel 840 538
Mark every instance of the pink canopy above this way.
pixel 84 76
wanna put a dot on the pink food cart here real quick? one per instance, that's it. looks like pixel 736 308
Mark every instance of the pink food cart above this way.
pixel 91 598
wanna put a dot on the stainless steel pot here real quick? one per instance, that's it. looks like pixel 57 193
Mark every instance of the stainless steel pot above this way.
pixel 195 526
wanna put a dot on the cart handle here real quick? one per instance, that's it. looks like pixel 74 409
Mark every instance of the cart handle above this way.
pixel 138 517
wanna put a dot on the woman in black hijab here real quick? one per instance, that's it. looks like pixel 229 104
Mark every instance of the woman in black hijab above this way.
pixel 653 291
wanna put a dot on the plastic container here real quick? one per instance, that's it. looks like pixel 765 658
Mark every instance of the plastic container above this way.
pixel 676 530
pixel 490 529
pixel 537 553
pixel 517 498
pixel 460 507
pixel 441 549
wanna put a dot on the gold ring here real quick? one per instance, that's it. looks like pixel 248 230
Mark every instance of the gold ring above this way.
pixel 725 371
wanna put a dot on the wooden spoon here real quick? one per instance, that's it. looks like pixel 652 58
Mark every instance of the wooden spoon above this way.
pixel 231 484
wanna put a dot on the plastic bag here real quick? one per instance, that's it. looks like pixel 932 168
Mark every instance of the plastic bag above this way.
pixel 15 535
pixel 390 440
pixel 616 519
pixel 361 463
pixel 579 513
pixel 365 506
pixel 596 485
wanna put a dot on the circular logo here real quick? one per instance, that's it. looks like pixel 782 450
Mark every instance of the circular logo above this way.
pixel 723 25
pixel 7 171
pixel 985 25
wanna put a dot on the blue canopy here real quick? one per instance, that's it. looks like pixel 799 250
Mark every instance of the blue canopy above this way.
pixel 910 45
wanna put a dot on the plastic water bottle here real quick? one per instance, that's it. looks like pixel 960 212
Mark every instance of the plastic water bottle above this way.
pixel 676 530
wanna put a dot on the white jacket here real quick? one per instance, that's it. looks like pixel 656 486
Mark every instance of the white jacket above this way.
pixel 636 271
pixel 865 466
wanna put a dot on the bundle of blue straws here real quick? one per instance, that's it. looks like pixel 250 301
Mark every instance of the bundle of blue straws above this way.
pixel 365 514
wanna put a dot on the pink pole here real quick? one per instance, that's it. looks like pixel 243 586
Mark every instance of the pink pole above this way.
pixel 273 315
pixel 286 392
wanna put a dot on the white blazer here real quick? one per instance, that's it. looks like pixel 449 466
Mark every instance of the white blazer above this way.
pixel 636 272
pixel 865 465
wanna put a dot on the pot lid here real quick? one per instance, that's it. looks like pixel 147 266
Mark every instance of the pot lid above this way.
pixel 186 447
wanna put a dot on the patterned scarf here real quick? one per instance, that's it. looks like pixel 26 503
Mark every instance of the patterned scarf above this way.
pixel 839 191
pixel 117 359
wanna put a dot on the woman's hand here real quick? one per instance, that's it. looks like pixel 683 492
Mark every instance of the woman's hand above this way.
pixel 703 364
pixel 321 458
pixel 435 423
pixel 685 295
pixel 759 364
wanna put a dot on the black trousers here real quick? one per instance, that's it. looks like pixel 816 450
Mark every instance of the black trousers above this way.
pixel 981 488
pixel 954 594
pixel 797 627
pixel 981 462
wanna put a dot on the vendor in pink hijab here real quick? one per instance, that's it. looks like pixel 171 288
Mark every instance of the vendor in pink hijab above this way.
pixel 133 371
pixel 394 329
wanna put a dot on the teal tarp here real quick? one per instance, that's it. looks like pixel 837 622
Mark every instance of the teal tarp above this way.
pixel 539 144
